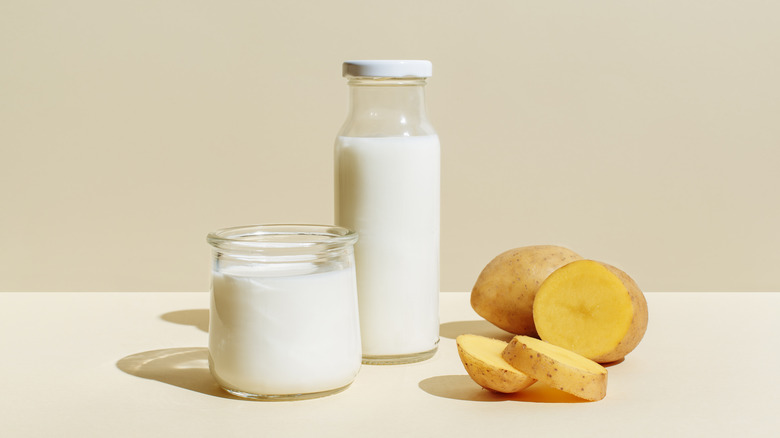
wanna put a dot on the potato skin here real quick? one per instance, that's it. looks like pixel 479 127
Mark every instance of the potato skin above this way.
pixel 505 289
pixel 487 374
pixel 552 371
pixel 638 327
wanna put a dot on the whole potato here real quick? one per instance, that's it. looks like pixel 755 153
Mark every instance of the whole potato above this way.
pixel 505 290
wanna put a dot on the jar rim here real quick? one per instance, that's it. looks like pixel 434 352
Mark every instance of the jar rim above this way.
pixel 274 237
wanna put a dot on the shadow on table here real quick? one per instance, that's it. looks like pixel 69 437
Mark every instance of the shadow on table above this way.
pixel 198 318
pixel 454 329
pixel 463 388
pixel 186 368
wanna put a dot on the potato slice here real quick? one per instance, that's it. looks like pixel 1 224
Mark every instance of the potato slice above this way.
pixel 505 289
pixel 557 367
pixel 591 308
pixel 482 359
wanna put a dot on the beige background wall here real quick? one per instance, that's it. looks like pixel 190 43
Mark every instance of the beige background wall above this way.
pixel 644 134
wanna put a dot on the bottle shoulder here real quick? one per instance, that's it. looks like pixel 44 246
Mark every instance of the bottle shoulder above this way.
pixel 424 147
pixel 387 111
pixel 385 128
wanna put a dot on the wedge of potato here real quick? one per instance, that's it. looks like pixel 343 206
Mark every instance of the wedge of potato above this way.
pixel 505 289
pixel 481 356
pixel 591 308
pixel 557 367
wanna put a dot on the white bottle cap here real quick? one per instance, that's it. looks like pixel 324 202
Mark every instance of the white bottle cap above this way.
pixel 388 68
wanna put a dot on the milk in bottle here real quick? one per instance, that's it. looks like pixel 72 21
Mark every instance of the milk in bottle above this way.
pixel 387 183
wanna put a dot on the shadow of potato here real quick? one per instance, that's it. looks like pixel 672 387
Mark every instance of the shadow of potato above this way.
pixel 461 387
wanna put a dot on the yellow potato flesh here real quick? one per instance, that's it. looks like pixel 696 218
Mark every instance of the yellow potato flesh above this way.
pixel 586 308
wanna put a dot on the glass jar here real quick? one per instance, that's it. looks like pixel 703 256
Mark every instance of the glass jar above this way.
pixel 283 320
pixel 387 188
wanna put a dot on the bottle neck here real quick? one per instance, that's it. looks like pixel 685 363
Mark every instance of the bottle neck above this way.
pixel 385 107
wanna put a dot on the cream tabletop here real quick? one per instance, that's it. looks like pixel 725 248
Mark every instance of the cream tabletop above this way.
pixel 135 364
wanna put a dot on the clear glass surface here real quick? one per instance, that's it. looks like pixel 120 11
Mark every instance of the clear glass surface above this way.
pixel 283 321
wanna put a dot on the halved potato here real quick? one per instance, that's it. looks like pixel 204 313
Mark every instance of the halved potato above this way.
pixel 591 308
pixel 481 356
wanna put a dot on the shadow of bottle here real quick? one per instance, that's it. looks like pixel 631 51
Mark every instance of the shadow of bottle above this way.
pixel 185 367
pixel 452 330
pixel 198 318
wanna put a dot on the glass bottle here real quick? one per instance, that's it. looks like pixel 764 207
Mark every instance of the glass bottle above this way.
pixel 387 188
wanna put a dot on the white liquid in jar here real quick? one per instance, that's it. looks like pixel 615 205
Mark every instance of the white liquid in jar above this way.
pixel 281 335
pixel 387 189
